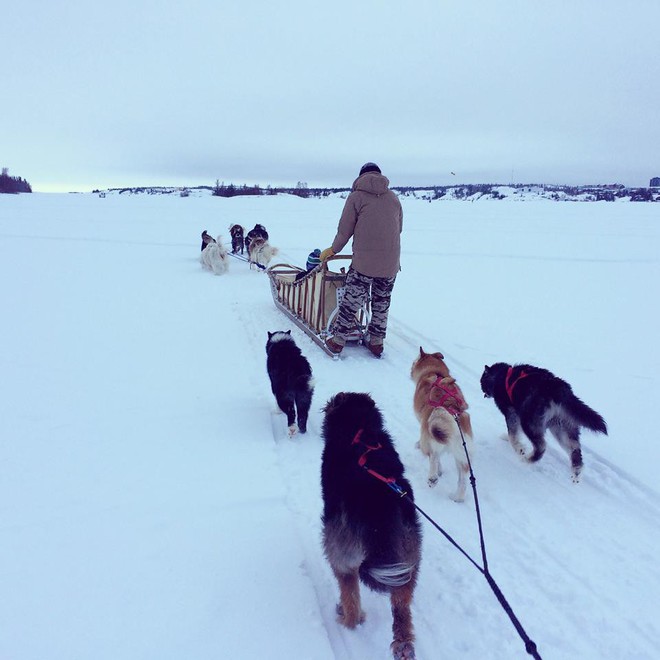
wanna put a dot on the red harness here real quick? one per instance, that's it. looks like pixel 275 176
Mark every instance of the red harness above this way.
pixel 363 459
pixel 451 398
pixel 510 385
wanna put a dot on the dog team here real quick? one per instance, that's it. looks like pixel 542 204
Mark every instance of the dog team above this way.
pixel 371 534
pixel 214 256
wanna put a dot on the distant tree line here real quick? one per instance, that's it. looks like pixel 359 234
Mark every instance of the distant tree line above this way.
pixel 470 192
pixel 301 189
pixel 13 184
pixel 591 193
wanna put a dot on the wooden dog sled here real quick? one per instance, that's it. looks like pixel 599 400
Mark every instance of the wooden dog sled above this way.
pixel 311 300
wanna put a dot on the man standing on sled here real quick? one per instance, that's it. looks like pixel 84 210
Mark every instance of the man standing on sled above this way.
pixel 373 217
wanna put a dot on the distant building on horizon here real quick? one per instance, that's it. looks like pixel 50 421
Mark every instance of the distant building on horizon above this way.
pixel 655 182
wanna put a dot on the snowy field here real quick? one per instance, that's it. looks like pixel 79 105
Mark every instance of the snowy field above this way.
pixel 152 507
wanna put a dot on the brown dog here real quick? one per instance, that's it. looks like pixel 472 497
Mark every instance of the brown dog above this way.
pixel 237 239
pixel 441 409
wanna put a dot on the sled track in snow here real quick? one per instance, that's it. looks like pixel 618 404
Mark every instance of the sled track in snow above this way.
pixel 532 571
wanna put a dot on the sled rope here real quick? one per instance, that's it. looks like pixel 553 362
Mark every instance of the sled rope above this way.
pixel 391 482
pixel 530 645
pixel 240 257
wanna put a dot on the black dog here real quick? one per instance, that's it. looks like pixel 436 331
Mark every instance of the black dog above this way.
pixel 534 399
pixel 290 379
pixel 258 231
pixel 370 533
pixel 237 240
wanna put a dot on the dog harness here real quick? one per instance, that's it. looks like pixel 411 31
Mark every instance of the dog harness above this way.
pixel 362 462
pixel 451 398
pixel 508 385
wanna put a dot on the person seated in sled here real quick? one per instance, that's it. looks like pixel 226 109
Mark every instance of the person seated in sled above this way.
pixel 313 260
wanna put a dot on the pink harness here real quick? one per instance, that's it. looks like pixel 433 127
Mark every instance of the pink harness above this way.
pixel 451 398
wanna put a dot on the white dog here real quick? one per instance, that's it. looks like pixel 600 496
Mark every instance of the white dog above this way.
pixel 261 252
pixel 214 257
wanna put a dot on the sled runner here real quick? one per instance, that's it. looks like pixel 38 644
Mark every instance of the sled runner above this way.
pixel 311 299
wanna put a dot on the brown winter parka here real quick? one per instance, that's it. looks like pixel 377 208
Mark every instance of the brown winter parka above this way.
pixel 373 216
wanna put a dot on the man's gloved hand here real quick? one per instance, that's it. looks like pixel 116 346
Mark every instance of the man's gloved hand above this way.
pixel 327 253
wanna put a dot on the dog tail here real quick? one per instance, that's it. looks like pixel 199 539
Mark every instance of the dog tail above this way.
pixel 584 415
pixel 392 575
pixel 438 433
pixel 439 425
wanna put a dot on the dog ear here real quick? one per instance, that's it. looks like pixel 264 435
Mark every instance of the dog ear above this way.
pixel 288 332
pixel 421 352
pixel 270 334
pixel 333 402
pixel 440 355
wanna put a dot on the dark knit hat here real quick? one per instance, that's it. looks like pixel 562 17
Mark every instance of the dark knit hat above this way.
pixel 370 167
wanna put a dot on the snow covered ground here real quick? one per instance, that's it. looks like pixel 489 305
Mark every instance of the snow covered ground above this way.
pixel 151 506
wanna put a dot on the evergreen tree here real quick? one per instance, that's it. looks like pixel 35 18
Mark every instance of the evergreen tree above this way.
pixel 13 184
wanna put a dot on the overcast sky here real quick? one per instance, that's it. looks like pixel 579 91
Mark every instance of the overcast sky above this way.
pixel 98 95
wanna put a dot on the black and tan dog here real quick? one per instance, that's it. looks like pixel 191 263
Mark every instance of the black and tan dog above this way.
pixel 370 533
pixel 258 231
pixel 237 239
pixel 534 399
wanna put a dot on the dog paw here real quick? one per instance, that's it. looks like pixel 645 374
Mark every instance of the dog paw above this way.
pixel 458 497
pixel 575 478
pixel 293 429
pixel 352 622
pixel 402 650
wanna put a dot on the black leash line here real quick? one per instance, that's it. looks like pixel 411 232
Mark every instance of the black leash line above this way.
pixel 530 645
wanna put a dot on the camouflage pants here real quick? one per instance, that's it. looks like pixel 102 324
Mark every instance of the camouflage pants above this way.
pixel 358 289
